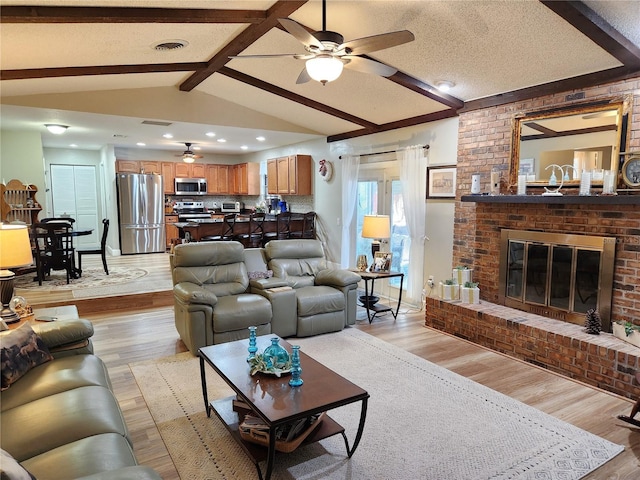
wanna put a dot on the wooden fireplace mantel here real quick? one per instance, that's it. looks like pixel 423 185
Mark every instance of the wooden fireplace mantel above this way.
pixel 631 199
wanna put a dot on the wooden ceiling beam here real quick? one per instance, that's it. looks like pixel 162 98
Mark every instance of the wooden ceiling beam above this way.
pixel 294 97
pixel 425 89
pixel 280 9
pixel 99 70
pixel 33 14
pixel 551 88
pixel 407 122
pixel 590 24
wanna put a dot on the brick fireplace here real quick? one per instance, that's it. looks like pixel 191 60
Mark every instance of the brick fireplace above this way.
pixel 484 144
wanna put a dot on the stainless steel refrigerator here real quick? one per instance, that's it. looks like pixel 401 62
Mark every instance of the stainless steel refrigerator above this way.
pixel 141 213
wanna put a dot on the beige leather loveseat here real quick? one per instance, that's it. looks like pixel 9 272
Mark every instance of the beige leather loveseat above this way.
pixel 286 288
pixel 60 419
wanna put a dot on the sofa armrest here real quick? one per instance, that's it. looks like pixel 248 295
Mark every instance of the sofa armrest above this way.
pixel 267 283
pixel 188 293
pixel 337 277
pixel 63 332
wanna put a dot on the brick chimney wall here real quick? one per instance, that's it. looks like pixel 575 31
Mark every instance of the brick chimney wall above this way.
pixel 484 143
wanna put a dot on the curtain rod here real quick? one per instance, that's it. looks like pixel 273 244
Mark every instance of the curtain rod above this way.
pixel 426 147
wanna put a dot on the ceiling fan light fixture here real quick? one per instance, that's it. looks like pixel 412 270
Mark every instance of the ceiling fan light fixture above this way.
pixel 324 68
pixel 188 158
pixel 56 129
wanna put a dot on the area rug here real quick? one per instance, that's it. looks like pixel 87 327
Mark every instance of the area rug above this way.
pixel 423 421
pixel 91 278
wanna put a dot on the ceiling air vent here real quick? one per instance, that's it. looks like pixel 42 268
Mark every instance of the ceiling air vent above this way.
pixel 170 45
pixel 158 124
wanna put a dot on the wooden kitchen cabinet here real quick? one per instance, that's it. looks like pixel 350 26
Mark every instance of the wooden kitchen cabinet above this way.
pixel 247 179
pixel 190 170
pixel 292 175
pixel 150 167
pixel 168 176
pixel 127 166
pixel 218 179
pixel 170 229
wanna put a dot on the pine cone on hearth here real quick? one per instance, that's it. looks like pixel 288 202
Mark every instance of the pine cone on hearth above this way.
pixel 593 322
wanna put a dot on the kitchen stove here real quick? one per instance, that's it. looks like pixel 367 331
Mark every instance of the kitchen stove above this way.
pixel 189 210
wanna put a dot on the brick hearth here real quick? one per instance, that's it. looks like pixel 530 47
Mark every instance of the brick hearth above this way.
pixel 601 360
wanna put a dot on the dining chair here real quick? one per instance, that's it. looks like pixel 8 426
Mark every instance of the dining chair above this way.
pixel 53 248
pixel 101 251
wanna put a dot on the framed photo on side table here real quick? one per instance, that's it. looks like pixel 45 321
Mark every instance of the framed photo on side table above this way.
pixel 441 182
pixel 382 262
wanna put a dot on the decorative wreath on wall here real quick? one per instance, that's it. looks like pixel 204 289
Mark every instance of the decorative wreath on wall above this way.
pixel 326 170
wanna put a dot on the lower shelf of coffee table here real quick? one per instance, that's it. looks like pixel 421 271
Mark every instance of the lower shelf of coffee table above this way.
pixel 224 410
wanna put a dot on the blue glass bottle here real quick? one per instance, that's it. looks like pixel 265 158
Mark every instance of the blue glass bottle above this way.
pixel 296 370
pixel 252 343
pixel 274 355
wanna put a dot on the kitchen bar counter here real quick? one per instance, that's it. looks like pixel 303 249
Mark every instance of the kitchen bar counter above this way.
pixel 209 227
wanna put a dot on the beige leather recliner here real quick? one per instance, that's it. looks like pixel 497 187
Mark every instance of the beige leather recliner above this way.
pixel 325 298
pixel 212 304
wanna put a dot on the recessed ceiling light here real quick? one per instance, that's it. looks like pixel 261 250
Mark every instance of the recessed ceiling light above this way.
pixel 221 140
pixel 56 128
pixel 73 145
pixel 210 134
pixel 197 148
pixel 260 139
pixel 167 135
pixel 444 85
pixel 141 144
pixel 244 147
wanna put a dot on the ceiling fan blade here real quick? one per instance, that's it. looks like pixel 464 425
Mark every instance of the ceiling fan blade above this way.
pixel 299 32
pixel 303 77
pixel 366 65
pixel 274 55
pixel 376 42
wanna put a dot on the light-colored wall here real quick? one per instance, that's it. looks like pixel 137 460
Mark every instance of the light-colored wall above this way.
pixel 441 136
pixel 21 158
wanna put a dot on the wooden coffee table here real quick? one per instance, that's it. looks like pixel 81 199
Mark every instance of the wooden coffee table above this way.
pixel 274 401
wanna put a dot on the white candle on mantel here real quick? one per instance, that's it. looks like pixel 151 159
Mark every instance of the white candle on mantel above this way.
pixel 522 184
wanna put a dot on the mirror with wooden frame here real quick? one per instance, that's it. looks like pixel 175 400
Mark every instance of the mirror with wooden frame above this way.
pixel 588 136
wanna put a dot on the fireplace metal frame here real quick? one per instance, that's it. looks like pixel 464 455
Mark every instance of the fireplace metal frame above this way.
pixel 604 245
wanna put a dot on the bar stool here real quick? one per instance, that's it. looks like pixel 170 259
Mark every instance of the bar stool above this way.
pixel 226 232
pixel 255 233
pixel 308 229
pixel 283 228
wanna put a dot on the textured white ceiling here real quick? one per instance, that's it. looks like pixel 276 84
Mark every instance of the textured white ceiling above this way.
pixel 486 47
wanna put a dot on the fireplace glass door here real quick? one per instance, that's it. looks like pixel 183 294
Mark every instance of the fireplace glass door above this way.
pixel 559 276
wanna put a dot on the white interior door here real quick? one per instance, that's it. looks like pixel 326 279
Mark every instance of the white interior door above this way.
pixel 74 193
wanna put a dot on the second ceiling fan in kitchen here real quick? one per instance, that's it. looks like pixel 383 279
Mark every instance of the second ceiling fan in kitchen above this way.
pixel 327 52
pixel 188 156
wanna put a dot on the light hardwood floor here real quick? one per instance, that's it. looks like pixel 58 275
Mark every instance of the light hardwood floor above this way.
pixel 131 333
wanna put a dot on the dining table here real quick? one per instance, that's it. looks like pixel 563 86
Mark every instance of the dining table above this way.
pixel 61 234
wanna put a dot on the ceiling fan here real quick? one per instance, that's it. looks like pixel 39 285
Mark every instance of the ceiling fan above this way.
pixel 188 156
pixel 328 53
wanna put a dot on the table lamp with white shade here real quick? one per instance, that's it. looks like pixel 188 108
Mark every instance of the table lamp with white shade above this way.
pixel 15 251
pixel 378 228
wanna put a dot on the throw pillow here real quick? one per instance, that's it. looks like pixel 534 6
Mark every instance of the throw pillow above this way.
pixel 256 275
pixel 12 470
pixel 21 351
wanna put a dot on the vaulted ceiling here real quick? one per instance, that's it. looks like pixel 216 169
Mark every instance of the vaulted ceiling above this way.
pixel 93 66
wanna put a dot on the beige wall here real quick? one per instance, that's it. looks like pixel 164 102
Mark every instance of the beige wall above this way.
pixel 21 158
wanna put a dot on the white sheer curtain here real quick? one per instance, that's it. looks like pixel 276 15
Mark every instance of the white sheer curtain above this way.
pixel 413 173
pixel 350 168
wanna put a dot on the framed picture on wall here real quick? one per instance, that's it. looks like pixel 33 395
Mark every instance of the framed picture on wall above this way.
pixel 441 182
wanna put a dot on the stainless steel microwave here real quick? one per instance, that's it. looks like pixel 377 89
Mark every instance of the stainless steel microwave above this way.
pixel 191 186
